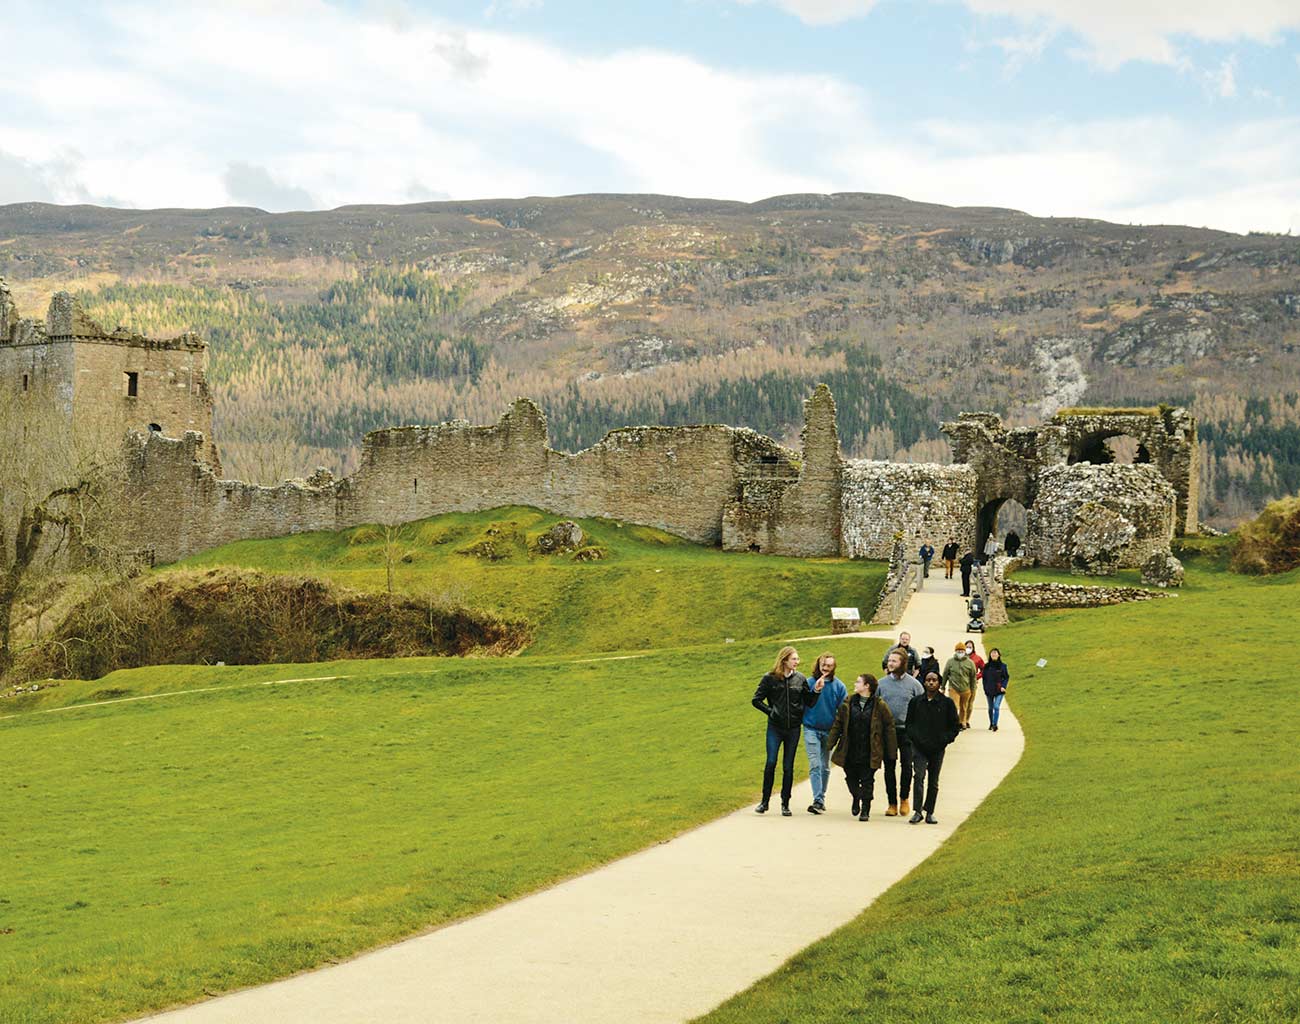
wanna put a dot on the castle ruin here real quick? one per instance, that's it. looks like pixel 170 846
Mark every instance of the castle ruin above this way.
pixel 711 484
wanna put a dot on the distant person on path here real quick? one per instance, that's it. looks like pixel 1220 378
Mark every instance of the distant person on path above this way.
pixel 949 554
pixel 783 695
pixel 896 689
pixel 905 645
pixel 975 659
pixel 1012 543
pixel 990 548
pixel 932 725
pixel 861 738
pixel 959 678
pixel 967 565
pixel 927 556
pixel 817 722
pixel 996 678
pixel 929 663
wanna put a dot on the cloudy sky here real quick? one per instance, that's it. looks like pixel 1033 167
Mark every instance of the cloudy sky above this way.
pixel 1150 111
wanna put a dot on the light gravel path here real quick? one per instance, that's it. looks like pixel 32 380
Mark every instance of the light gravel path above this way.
pixel 665 934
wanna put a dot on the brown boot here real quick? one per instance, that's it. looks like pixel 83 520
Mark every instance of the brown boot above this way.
pixel 892 812
pixel 904 807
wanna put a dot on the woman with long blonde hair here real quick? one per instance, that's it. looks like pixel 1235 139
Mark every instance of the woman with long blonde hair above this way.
pixel 782 696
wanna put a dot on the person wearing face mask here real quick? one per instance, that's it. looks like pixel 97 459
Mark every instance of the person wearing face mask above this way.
pixel 996 678
pixel 861 738
pixel 932 725
pixel 929 663
pixel 959 678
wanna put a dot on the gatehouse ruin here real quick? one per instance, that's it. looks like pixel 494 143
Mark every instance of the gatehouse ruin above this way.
pixel 710 484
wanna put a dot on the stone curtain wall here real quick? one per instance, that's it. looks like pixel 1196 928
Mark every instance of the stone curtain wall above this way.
pixel 924 502
pixel 678 479
pixel 181 507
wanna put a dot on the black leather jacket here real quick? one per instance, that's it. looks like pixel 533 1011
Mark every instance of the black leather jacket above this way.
pixel 784 700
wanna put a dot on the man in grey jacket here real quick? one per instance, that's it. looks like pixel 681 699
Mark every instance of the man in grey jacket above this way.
pixel 897 689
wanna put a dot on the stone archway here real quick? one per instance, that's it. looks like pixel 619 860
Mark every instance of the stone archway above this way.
pixel 1110 447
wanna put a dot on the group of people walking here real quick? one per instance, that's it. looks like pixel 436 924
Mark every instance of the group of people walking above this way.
pixel 904 722
pixel 954 561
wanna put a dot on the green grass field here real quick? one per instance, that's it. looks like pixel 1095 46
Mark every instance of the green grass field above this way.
pixel 650 589
pixel 1141 863
pixel 204 830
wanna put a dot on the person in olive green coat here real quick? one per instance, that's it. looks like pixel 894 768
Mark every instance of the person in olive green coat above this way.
pixel 959 678
pixel 862 737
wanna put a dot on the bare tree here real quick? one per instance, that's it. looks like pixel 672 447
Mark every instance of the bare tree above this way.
pixel 60 505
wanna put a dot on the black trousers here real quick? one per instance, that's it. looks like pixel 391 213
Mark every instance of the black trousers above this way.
pixel 927 764
pixel 776 739
pixel 861 780
pixel 965 583
pixel 902 782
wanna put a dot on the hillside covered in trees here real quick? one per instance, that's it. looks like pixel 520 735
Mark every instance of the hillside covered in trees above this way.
pixel 612 310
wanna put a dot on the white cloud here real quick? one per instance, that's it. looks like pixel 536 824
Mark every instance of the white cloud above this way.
pixel 316 104
pixel 824 12
pixel 1117 31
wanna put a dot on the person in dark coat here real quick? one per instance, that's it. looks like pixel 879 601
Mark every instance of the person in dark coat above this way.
pixel 929 663
pixel 967 565
pixel 931 725
pixel 1012 543
pixel 861 739
pixel 927 556
pixel 949 555
pixel 996 678
pixel 783 695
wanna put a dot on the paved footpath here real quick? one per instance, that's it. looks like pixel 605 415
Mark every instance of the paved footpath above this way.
pixel 665 934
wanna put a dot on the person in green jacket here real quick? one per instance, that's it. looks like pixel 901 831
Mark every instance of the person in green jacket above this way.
pixel 959 678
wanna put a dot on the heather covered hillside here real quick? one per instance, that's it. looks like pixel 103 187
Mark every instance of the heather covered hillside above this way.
pixel 615 309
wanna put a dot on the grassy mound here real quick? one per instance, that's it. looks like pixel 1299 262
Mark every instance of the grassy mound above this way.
pixel 243 617
pixel 628 588
pixel 1140 864
pixel 1270 543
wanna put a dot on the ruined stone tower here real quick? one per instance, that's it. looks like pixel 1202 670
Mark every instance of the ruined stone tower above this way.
pixel 68 373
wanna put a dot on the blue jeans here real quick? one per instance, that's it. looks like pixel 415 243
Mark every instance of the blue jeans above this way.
pixel 995 705
pixel 776 739
pixel 819 764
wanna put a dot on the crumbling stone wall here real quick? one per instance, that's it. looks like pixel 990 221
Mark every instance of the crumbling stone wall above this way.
pixel 923 502
pixel 1067 496
pixel 797 515
pixel 1072 595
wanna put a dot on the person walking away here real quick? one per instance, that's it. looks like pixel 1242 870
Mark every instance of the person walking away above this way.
pixel 861 738
pixel 1012 543
pixel 990 548
pixel 783 695
pixel 817 722
pixel 996 678
pixel 949 555
pixel 967 564
pixel 932 726
pixel 959 677
pixel 927 556
pixel 929 663
pixel 896 689
pixel 905 645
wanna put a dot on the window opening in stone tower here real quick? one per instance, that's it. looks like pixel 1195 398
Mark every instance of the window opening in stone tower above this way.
pixel 132 384
pixel 26 381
